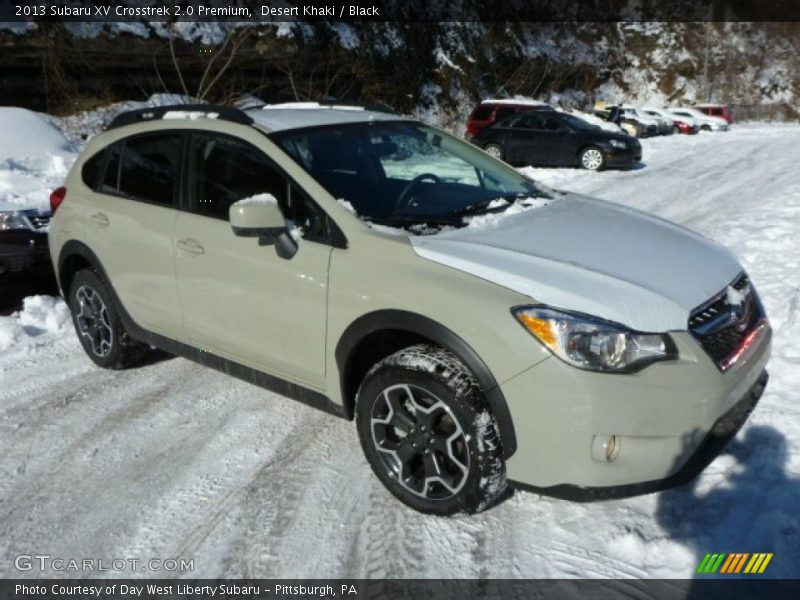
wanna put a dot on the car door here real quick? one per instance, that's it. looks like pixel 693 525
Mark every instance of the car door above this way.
pixel 241 300
pixel 555 145
pixel 524 141
pixel 130 219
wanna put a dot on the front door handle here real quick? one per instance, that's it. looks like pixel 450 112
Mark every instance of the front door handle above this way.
pixel 99 219
pixel 190 246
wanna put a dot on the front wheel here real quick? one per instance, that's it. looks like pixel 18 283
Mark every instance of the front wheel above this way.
pixel 592 158
pixel 98 326
pixel 428 434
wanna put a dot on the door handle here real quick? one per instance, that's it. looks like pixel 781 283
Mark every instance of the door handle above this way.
pixel 99 219
pixel 190 246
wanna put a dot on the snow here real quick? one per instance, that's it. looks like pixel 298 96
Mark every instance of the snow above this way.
pixel 264 198
pixel 521 100
pixel 176 460
pixel 191 115
pixel 34 158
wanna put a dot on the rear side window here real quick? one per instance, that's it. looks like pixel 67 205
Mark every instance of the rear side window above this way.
pixel 90 172
pixel 503 112
pixel 482 113
pixel 149 166
pixel 110 181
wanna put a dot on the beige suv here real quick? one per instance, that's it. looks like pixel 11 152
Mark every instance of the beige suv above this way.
pixel 480 328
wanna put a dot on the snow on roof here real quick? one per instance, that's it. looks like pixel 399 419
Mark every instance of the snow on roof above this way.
pixel 522 101
pixel 293 115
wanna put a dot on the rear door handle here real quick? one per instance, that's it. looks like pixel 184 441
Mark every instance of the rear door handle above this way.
pixel 190 246
pixel 99 219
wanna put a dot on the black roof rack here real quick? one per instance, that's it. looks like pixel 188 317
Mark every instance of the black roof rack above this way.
pixel 225 113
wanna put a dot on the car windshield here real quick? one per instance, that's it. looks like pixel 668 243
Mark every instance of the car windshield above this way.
pixel 403 172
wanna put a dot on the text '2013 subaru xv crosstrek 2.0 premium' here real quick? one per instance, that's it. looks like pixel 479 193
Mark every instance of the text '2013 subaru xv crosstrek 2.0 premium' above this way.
pixel 480 328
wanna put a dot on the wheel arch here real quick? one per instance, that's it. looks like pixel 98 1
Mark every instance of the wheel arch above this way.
pixel 373 336
pixel 73 257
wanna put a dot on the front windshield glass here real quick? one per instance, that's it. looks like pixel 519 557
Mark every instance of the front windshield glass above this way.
pixel 402 172
pixel 577 123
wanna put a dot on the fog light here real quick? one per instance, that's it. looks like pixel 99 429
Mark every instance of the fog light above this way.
pixel 605 447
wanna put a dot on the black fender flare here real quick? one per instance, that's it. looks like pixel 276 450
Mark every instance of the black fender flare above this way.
pixel 423 326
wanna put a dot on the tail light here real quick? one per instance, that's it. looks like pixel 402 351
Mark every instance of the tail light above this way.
pixel 56 198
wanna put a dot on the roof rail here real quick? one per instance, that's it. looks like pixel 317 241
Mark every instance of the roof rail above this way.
pixel 374 107
pixel 139 115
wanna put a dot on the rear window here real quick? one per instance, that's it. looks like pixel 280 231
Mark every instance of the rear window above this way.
pixel 90 172
pixel 148 168
pixel 482 113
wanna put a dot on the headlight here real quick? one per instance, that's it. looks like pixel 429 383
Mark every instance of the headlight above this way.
pixel 594 344
pixel 619 144
pixel 13 220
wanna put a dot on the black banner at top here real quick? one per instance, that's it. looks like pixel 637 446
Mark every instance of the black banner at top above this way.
pixel 266 11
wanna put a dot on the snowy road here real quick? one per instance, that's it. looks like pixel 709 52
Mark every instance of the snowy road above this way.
pixel 177 461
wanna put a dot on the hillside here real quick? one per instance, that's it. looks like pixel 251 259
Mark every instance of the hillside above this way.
pixel 432 69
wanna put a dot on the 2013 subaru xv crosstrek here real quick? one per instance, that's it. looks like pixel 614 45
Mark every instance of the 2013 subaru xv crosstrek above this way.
pixel 480 328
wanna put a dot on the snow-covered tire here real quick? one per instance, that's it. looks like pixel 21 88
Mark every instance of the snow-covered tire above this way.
pixel 592 158
pixel 428 433
pixel 494 150
pixel 98 325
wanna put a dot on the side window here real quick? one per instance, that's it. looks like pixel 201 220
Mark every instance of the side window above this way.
pixel 503 112
pixel 552 124
pixel 110 181
pixel 90 172
pixel 226 170
pixel 148 168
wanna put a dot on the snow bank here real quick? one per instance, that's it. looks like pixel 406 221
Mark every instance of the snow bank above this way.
pixel 39 315
pixel 34 158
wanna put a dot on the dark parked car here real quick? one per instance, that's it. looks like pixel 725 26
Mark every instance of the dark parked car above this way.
pixel 557 139
pixel 489 112
pixel 23 239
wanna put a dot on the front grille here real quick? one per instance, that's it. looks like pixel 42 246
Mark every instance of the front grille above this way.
pixel 39 222
pixel 722 327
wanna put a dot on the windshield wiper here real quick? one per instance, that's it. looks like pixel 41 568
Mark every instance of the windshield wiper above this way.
pixel 446 219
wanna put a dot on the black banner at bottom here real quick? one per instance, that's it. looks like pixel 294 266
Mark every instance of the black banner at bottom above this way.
pixel 417 589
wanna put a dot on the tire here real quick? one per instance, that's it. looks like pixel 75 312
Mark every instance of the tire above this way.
pixel 98 326
pixel 421 413
pixel 494 150
pixel 592 158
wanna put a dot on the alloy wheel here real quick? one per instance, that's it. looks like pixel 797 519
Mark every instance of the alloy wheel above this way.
pixel 420 442
pixel 93 321
pixel 494 150
pixel 592 159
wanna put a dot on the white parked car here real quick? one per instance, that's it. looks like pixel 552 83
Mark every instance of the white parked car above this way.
pixel 592 120
pixel 704 121
pixel 652 126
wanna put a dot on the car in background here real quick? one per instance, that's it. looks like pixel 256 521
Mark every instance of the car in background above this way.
pixel 679 124
pixel 23 239
pixel 722 111
pixel 628 123
pixel 557 139
pixel 653 125
pixel 703 121
pixel 493 110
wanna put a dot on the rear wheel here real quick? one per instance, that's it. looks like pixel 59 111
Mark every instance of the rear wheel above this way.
pixel 495 150
pixel 98 326
pixel 427 432
pixel 592 158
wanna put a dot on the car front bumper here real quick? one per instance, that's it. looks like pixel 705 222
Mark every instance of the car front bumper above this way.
pixel 23 249
pixel 661 418
pixel 616 158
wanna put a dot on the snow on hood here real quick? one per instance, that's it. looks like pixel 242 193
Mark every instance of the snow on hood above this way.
pixel 593 257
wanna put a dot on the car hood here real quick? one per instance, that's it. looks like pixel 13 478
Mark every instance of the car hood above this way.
pixel 594 257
